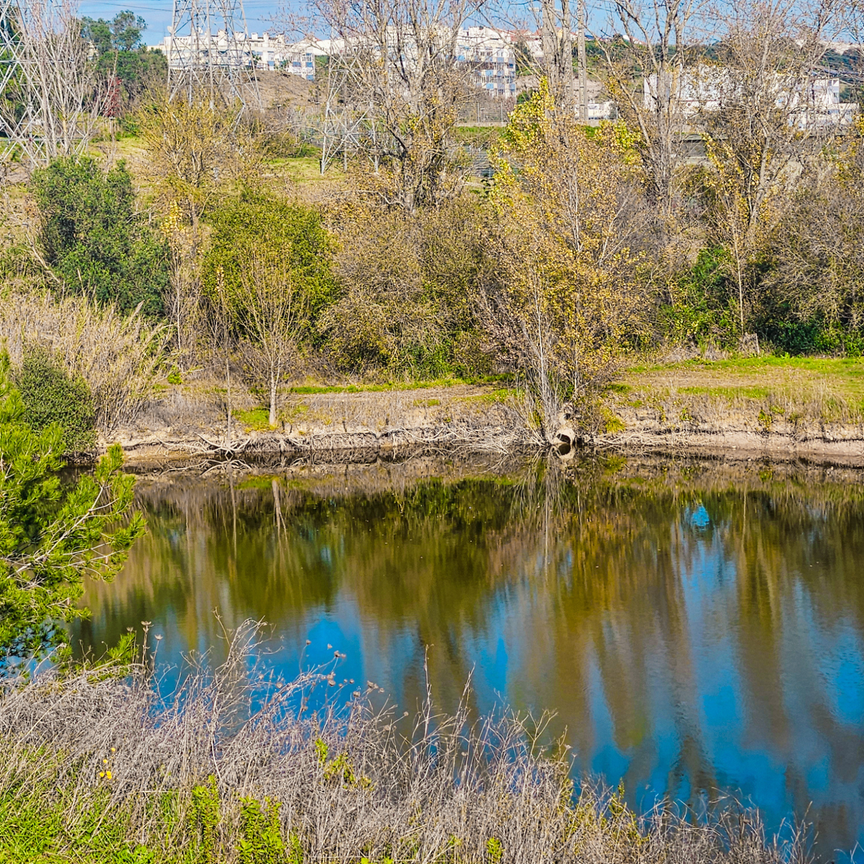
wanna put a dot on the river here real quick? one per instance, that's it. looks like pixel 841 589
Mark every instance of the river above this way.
pixel 696 626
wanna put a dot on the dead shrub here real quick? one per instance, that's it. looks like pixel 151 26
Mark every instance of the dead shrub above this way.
pixel 338 784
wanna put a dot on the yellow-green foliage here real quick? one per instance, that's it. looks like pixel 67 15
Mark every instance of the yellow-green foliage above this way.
pixel 565 199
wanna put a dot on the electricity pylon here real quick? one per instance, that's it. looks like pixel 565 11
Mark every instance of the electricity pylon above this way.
pixel 208 52
pixel 51 99
pixel 9 65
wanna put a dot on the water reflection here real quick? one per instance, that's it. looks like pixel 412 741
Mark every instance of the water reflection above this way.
pixel 696 627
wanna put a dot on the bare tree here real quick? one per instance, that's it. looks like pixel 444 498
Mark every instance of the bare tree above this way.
pixel 54 98
pixel 645 61
pixel 400 58
pixel 764 118
pixel 270 309
pixel 556 33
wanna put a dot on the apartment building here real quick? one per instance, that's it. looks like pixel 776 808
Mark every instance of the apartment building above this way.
pixel 488 55
pixel 491 59
pixel 704 89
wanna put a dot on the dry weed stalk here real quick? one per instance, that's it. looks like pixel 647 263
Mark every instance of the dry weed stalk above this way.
pixel 351 781
pixel 118 357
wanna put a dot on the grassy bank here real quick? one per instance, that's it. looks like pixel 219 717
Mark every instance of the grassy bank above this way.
pixel 795 395
pixel 96 767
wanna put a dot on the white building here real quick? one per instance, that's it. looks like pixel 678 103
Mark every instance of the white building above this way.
pixel 704 89
pixel 490 56
pixel 199 49
pixel 487 54
pixel 264 51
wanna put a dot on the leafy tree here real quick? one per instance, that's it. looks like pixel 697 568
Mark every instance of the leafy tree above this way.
pixel 199 153
pixel 91 237
pixel 126 30
pixel 810 299
pixel 121 54
pixel 197 149
pixel 269 268
pixel 53 534
pixel 97 32
pixel 569 294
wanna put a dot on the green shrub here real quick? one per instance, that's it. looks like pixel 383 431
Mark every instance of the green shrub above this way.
pixel 703 306
pixel 205 821
pixel 261 837
pixel 94 240
pixel 53 533
pixel 51 395
pixel 293 233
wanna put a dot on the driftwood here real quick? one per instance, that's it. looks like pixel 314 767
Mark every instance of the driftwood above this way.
pixel 229 449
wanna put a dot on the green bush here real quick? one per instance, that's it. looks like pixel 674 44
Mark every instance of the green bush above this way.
pixel 294 232
pixel 52 533
pixel 93 239
pixel 703 307
pixel 51 395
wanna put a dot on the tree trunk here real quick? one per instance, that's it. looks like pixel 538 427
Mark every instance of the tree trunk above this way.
pixel 273 397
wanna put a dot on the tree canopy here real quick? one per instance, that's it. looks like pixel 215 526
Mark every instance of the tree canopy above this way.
pixel 121 53
pixel 53 533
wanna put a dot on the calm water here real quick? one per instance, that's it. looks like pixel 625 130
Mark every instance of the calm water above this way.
pixel 696 626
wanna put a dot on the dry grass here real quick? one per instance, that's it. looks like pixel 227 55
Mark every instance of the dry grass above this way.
pixel 117 356
pixel 819 389
pixel 238 767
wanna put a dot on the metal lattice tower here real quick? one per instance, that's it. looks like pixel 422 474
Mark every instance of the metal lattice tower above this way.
pixel 7 41
pixel 44 61
pixel 24 128
pixel 208 53
pixel 10 18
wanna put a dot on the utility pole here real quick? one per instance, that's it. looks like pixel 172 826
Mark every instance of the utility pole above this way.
pixel 583 62
pixel 215 64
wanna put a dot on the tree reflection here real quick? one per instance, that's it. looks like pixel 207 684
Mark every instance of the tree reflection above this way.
pixel 696 626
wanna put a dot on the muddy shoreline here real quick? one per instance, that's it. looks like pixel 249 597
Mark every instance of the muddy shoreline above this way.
pixel 840 446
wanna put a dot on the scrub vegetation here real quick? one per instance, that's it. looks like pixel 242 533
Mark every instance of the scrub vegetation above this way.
pixel 98 767
pixel 247 257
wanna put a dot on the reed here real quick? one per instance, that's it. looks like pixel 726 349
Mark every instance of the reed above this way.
pixel 238 767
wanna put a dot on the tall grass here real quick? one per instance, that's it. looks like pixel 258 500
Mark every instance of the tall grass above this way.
pixel 236 767
pixel 118 356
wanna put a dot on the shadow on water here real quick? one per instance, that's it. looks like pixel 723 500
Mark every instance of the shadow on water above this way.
pixel 697 627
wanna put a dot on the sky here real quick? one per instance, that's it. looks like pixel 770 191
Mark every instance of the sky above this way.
pixel 157 14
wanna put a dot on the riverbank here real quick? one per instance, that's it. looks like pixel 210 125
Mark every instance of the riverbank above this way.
pixel 763 407
pixel 747 407
pixel 192 420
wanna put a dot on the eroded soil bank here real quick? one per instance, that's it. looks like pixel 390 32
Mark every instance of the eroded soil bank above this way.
pixel 185 422
pixel 750 408
pixel 777 408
